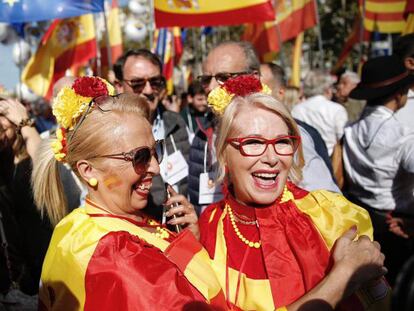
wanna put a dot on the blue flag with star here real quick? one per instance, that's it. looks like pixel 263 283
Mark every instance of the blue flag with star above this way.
pixel 22 11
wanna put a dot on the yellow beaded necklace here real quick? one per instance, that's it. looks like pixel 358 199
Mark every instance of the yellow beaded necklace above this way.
pixel 286 196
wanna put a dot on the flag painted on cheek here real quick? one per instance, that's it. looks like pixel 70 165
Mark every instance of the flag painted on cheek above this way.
pixel 112 181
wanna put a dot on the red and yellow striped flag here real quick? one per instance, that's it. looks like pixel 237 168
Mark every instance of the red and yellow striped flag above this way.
pixel 195 13
pixel 385 16
pixel 292 18
pixel 67 43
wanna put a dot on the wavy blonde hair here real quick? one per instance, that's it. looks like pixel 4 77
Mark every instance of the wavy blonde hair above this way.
pixel 90 140
pixel 252 102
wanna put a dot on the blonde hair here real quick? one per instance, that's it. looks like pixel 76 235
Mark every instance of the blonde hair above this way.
pixel 90 140
pixel 251 102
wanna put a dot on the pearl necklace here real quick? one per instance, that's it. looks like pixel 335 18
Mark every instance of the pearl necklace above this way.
pixel 286 196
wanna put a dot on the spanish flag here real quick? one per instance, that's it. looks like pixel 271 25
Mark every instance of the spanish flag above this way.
pixel 385 16
pixel 68 43
pixel 164 49
pixel 101 261
pixel 292 18
pixel 114 36
pixel 195 13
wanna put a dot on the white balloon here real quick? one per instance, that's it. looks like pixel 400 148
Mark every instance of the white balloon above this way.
pixel 21 52
pixel 137 8
pixel 4 31
pixel 26 94
pixel 135 30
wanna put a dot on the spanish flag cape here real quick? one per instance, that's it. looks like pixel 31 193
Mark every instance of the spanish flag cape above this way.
pixel 99 261
pixel 296 237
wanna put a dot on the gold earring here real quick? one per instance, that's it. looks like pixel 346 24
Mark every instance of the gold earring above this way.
pixel 93 182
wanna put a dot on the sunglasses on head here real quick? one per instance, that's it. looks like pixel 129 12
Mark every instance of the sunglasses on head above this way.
pixel 99 102
pixel 221 77
pixel 138 85
pixel 140 157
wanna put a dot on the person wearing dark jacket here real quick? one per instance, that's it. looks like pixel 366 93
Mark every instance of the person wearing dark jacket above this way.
pixel 140 72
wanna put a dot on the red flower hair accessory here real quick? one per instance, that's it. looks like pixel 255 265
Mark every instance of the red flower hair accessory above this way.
pixel 70 103
pixel 243 85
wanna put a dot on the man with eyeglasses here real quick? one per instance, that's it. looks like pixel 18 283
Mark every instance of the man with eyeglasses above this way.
pixel 140 72
pixel 227 60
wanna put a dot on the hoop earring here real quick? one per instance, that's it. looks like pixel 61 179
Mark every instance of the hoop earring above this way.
pixel 93 182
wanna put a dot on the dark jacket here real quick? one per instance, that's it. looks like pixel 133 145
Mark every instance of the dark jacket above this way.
pixel 173 125
pixel 196 159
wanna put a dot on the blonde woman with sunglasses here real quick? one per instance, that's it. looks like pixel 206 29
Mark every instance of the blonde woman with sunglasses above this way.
pixel 107 254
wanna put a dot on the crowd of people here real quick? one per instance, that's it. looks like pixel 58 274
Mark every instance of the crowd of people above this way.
pixel 244 193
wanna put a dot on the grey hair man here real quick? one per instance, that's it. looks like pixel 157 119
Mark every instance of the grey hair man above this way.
pixel 319 111
pixel 347 82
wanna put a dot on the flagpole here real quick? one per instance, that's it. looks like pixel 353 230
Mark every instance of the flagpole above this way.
pixel 108 43
pixel 279 39
pixel 361 33
pixel 319 31
pixel 151 26
pixel 98 52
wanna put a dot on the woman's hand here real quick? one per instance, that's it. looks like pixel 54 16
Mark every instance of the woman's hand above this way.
pixel 13 110
pixel 361 260
pixel 184 212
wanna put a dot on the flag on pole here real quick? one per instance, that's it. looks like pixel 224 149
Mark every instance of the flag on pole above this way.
pixel 296 60
pixel 22 11
pixel 409 17
pixel 195 13
pixel 115 39
pixel 164 49
pixel 384 16
pixel 292 18
pixel 353 38
pixel 178 45
pixel 67 44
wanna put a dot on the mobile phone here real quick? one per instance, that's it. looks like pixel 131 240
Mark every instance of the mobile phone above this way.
pixel 176 227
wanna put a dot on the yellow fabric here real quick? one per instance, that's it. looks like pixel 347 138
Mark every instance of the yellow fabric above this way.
pixel 203 6
pixel 253 294
pixel 73 244
pixel 333 214
pixel 409 26
pixel 296 60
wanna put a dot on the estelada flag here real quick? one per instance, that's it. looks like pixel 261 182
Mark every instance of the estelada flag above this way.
pixel 293 17
pixel 115 39
pixel 385 16
pixel 68 43
pixel 195 13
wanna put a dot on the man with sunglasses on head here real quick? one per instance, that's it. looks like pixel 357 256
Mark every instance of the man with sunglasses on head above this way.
pixel 227 60
pixel 140 72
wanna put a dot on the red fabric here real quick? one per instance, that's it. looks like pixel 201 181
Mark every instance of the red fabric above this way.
pixel 255 13
pixel 126 273
pixel 182 249
pixel 266 39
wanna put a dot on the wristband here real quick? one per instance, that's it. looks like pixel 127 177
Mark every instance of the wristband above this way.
pixel 25 122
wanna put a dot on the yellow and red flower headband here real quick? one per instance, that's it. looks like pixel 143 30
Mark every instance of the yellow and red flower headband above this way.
pixel 70 103
pixel 243 85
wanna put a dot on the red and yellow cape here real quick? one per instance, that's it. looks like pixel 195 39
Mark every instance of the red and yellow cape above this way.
pixel 296 237
pixel 98 261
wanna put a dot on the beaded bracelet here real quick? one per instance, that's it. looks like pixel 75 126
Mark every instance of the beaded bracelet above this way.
pixel 25 122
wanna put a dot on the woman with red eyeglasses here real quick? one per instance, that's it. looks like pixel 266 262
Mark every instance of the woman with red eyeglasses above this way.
pixel 107 254
pixel 273 245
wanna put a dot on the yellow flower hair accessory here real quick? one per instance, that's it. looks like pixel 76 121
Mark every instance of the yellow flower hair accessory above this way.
pixel 70 103
pixel 243 85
